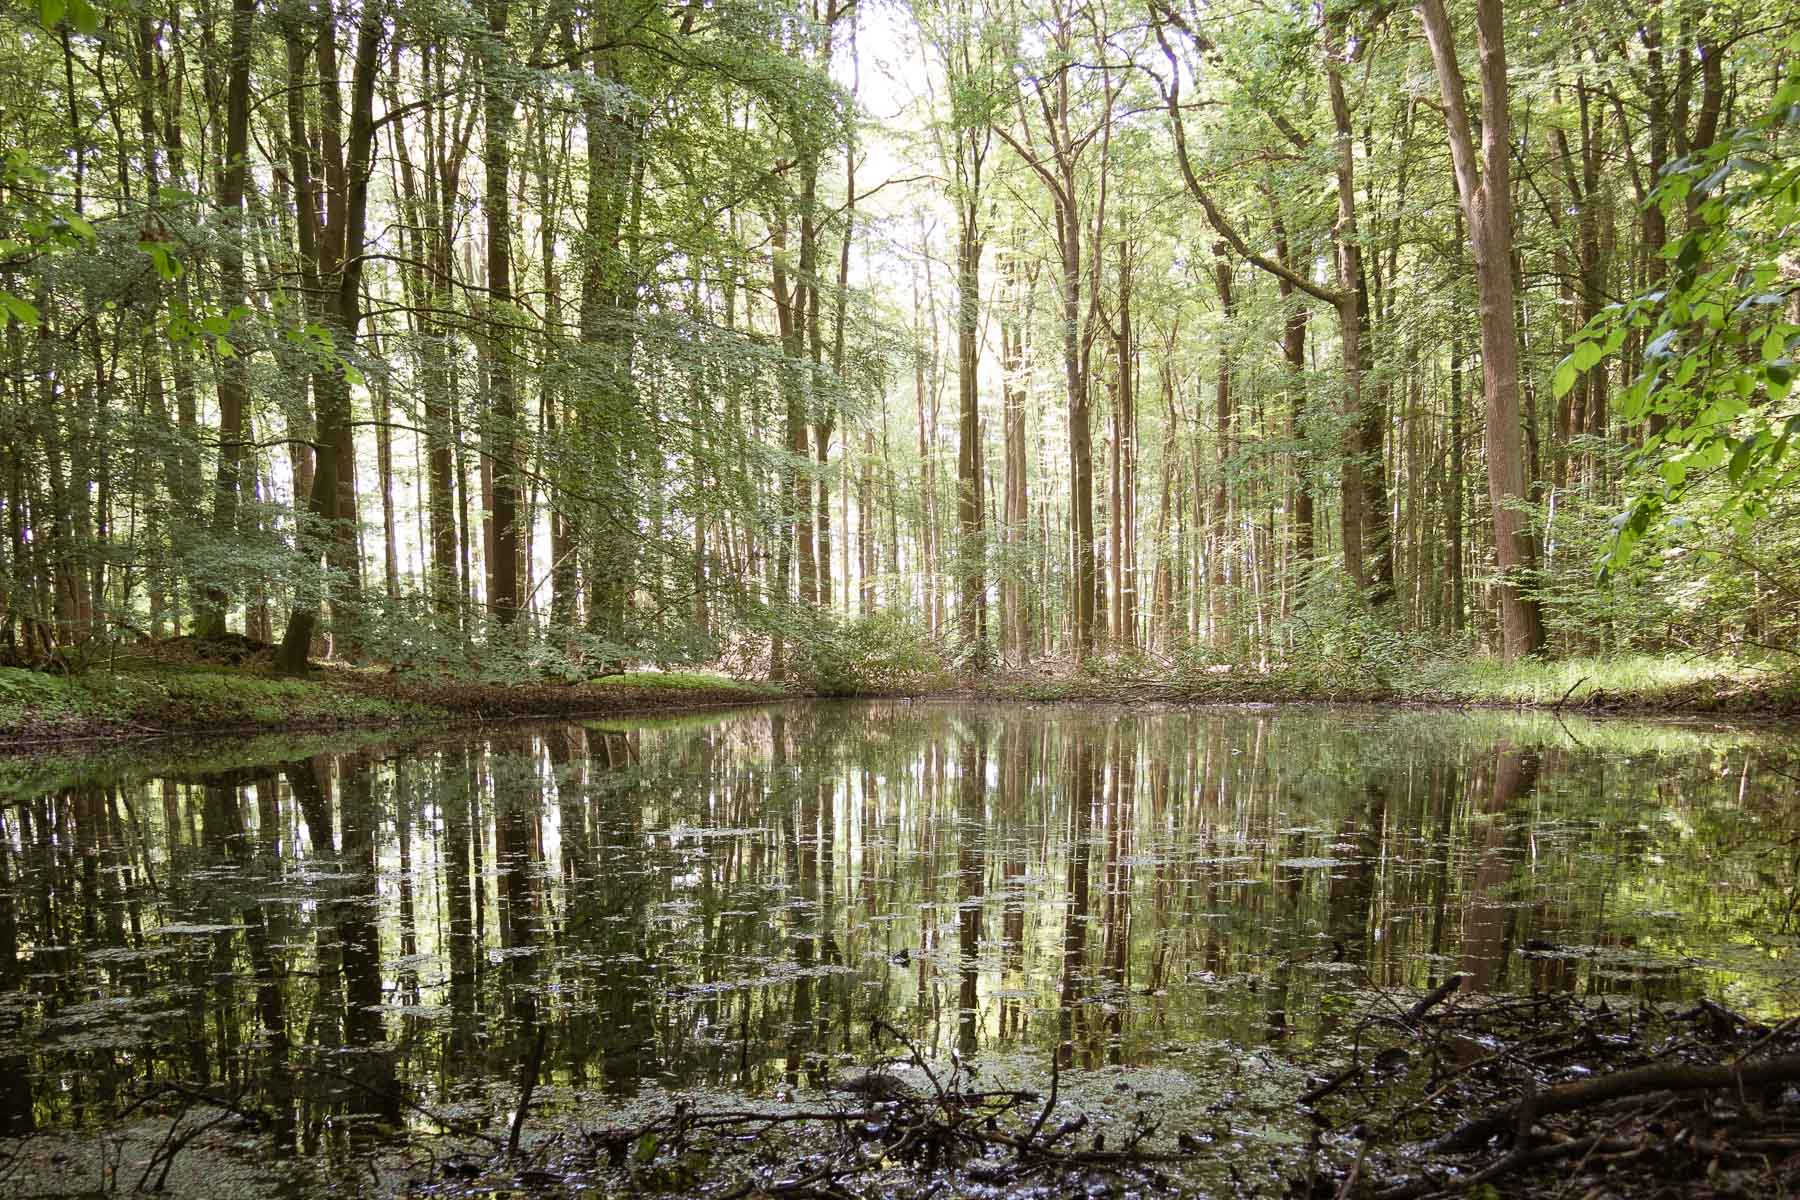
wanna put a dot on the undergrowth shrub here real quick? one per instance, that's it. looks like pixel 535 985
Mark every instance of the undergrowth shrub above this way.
pixel 882 653
pixel 1337 641
pixel 409 634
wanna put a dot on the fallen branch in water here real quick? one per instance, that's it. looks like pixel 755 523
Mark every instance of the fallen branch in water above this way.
pixel 527 1084
pixel 1518 1160
pixel 1434 997
pixel 1632 1100
pixel 1584 1093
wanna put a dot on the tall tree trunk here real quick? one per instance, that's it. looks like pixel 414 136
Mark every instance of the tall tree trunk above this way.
pixel 1125 547
pixel 971 545
pixel 1453 509
pixel 1223 417
pixel 502 415
pixel 865 527
pixel 233 367
pixel 1293 354
pixel 1364 508
pixel 1018 514
pixel 1484 189
pixel 1081 437
pixel 334 258
pixel 1344 299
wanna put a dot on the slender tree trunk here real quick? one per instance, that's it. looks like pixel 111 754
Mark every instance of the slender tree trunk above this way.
pixel 1014 617
pixel 1125 547
pixel 971 548
pixel 1081 438
pixel 233 367
pixel 1223 418
pixel 1293 354
pixel 1484 189
pixel 1360 458
pixel 502 415
pixel 1453 509
pixel 865 527
pixel 336 261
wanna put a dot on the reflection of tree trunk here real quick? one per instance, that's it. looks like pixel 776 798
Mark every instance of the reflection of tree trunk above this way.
pixel 308 781
pixel 304 780
pixel 271 998
pixel 372 1067
pixel 1084 789
pixel 1352 887
pixel 803 868
pixel 1443 789
pixel 17 1115
pixel 455 786
pixel 1488 921
pixel 1117 921
pixel 621 897
pixel 9 921
pixel 1288 891
pixel 971 874
pixel 409 927
pixel 515 842
pixel 1013 767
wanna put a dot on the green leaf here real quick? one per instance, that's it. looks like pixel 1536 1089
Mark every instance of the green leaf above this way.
pixel 50 12
pixel 1742 456
pixel 1564 378
pixel 166 264
pixel 1687 256
pixel 84 17
pixel 1587 354
pixel 25 314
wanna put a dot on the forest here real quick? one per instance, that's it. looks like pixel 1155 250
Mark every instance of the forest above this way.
pixel 544 339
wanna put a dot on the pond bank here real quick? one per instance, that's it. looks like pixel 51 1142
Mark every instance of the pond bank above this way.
pixel 189 689
pixel 147 698
pixel 1635 685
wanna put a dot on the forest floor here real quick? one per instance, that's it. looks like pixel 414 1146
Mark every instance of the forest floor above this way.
pixel 1645 685
pixel 1445 1095
pixel 188 687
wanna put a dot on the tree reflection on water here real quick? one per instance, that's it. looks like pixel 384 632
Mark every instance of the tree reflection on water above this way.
pixel 730 900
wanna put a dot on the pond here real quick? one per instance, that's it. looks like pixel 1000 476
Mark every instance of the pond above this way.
pixel 361 940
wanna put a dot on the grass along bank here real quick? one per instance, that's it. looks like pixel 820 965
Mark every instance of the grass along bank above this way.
pixel 150 696
pixel 176 690
pixel 1637 683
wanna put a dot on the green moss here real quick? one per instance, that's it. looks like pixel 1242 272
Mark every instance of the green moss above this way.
pixel 1685 681
pixel 685 681
pixel 1670 683
pixel 174 699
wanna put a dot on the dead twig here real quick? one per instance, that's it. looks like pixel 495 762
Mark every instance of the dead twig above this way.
pixel 527 1084
pixel 1585 1093
pixel 1434 997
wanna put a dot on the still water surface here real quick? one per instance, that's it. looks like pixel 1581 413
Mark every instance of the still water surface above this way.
pixel 725 901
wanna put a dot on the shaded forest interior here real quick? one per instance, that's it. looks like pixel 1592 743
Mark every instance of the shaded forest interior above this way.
pixel 551 338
